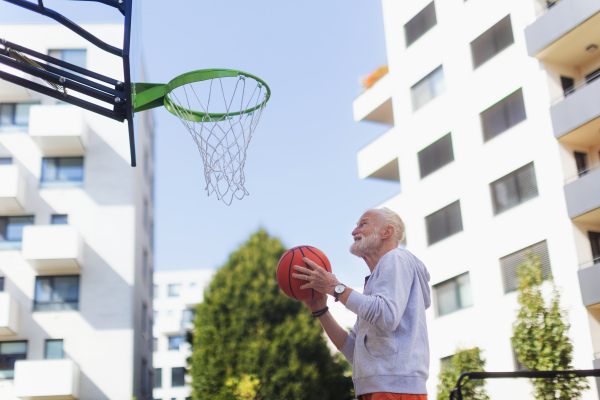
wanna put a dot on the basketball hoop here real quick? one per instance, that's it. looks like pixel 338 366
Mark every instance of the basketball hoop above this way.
pixel 220 108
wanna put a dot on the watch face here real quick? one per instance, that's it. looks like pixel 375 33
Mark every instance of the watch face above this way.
pixel 340 288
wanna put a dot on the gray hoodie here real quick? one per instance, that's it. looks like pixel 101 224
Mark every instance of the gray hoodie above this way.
pixel 388 345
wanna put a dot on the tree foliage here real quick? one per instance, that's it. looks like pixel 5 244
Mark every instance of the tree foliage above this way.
pixel 540 335
pixel 464 360
pixel 253 342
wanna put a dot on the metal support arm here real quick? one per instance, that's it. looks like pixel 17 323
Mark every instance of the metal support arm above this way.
pixel 456 393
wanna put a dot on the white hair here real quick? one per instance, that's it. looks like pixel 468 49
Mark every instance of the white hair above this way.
pixel 389 217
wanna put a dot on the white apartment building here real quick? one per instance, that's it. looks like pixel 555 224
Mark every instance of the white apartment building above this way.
pixel 76 228
pixel 493 110
pixel 176 295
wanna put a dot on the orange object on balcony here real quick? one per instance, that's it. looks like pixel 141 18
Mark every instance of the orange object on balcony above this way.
pixel 372 78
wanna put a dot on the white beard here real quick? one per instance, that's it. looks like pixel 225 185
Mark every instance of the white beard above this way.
pixel 366 245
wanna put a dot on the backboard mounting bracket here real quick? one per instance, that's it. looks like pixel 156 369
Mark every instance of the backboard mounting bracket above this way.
pixel 116 96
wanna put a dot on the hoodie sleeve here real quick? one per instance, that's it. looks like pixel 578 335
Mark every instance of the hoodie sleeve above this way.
pixel 391 289
pixel 348 349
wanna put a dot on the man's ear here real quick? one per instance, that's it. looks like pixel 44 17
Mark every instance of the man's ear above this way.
pixel 388 232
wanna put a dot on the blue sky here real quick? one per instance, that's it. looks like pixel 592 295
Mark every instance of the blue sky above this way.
pixel 301 169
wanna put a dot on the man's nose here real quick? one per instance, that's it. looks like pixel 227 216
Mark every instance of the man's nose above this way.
pixel 355 231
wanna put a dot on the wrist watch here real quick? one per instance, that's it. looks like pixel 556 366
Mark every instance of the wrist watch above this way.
pixel 339 289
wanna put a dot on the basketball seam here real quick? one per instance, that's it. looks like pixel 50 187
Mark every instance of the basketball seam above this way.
pixel 301 252
pixel 290 275
pixel 318 256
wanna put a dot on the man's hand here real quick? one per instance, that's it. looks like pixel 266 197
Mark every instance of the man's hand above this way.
pixel 318 279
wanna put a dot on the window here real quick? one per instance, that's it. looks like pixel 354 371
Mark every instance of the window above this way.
pixel 75 57
pixel 514 189
pixel 174 290
pixel 144 376
pixel 1 284
pixel 594 242
pixel 59 219
pixel 145 265
pixel 592 76
pixel 419 24
pixel 155 292
pixel 436 155
pixel 145 214
pixel 581 162
pixel 503 115
pixel 11 231
pixel 175 341
pixel 492 42
pixel 510 263
pixel 54 349
pixel 5 160
pixel 62 172
pixel 177 376
pixel 428 88
pixel 568 84
pixel 157 377
pixel 14 116
pixel 154 344
pixel 453 294
pixel 54 293
pixel 144 318
pixel 9 353
pixel 187 316
pixel 444 223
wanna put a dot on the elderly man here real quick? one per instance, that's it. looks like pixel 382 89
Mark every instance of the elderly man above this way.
pixel 388 345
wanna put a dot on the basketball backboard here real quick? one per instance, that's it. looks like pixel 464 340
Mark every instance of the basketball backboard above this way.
pixel 109 96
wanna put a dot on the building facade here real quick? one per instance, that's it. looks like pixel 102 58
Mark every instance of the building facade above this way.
pixel 176 295
pixel 76 228
pixel 493 116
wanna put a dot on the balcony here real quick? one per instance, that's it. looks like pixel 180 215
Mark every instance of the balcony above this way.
pixel 52 248
pixel 583 197
pixel 46 379
pixel 575 119
pixel 379 159
pixel 58 130
pixel 375 103
pixel 10 90
pixel 9 315
pixel 589 282
pixel 12 189
pixel 562 34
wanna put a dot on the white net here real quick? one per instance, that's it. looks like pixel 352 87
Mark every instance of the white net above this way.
pixel 226 112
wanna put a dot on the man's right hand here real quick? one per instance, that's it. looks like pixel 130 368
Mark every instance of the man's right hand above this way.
pixel 318 303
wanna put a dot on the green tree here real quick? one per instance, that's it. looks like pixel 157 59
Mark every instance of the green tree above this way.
pixel 464 360
pixel 253 342
pixel 540 335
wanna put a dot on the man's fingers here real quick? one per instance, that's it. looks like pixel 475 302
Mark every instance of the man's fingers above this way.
pixel 300 276
pixel 312 263
pixel 304 270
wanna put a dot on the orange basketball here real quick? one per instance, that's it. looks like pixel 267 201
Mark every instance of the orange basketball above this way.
pixel 291 285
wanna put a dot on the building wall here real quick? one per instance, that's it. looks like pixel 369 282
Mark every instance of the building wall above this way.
pixel 485 237
pixel 169 305
pixel 104 336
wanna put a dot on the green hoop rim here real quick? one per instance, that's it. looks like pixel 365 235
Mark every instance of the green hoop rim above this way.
pixel 203 75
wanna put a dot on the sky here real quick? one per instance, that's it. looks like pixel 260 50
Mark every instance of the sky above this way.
pixel 301 169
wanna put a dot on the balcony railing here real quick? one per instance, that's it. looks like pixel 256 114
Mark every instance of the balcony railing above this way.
pixel 52 248
pixel 582 173
pixel 46 379
pixel 58 130
pixel 9 315
pixel 12 189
